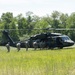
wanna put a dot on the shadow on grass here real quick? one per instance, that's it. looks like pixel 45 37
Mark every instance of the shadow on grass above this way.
pixel 65 48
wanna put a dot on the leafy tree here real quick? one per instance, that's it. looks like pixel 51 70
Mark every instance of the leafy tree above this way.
pixel 29 19
pixel 31 22
pixel 49 20
pixel 7 18
pixel 71 21
pixel 71 24
pixel 63 19
pixel 41 25
pixel 14 34
pixel 22 24
pixel 8 22
pixel 55 19
pixel 62 22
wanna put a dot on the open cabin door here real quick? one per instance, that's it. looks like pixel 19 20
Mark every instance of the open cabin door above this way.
pixel 59 42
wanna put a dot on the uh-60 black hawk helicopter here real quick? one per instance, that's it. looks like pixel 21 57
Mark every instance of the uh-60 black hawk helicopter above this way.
pixel 51 40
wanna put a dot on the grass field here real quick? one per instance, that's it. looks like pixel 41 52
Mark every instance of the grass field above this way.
pixel 39 62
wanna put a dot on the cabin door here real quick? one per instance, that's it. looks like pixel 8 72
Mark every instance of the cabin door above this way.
pixel 59 42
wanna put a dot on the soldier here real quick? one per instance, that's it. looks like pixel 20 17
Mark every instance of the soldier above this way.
pixel 18 46
pixel 8 46
pixel 26 45
pixel 42 45
pixel 35 45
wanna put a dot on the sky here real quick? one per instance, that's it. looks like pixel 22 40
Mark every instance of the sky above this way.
pixel 38 7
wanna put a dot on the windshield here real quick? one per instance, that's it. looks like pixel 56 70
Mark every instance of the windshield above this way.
pixel 65 38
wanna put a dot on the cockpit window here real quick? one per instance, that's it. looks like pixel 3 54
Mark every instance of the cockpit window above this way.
pixel 65 38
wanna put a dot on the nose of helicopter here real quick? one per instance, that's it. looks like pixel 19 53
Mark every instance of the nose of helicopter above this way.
pixel 70 43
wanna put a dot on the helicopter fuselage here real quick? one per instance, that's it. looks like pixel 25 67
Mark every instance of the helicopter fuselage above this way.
pixel 51 40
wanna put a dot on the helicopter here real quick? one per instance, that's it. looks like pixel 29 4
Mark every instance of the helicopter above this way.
pixel 52 40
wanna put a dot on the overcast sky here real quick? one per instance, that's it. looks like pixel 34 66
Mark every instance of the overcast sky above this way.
pixel 38 7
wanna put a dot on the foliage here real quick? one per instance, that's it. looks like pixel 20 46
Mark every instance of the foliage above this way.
pixel 8 22
pixel 27 25
pixel 22 24
pixel 14 35
pixel 71 24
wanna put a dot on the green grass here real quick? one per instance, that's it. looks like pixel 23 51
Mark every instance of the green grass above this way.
pixel 39 62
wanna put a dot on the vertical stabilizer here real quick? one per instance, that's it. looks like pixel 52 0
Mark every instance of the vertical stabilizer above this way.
pixel 5 32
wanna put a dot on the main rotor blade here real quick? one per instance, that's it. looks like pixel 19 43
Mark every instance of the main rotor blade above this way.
pixel 41 29
pixel 65 29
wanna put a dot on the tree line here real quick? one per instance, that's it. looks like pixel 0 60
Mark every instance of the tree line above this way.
pixel 30 24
